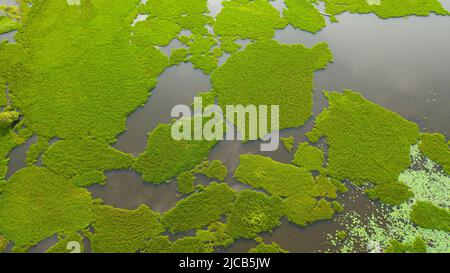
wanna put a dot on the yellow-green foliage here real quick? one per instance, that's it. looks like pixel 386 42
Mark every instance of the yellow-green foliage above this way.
pixel 434 147
pixel 37 204
pixel 366 141
pixel 8 141
pixel 8 24
pixel 303 15
pixel 155 32
pixel 165 157
pixel 178 56
pixel 258 76
pixel 189 245
pixel 278 179
pixel 186 182
pixel 88 178
pixel 265 248
pixel 7 118
pixel 341 235
pixel 326 187
pixel 393 193
pixel 94 77
pixel 304 210
pixel 418 246
pixel 427 215
pixel 387 8
pixel 215 170
pixel 36 150
pixel 337 207
pixel 62 246
pixel 253 213
pixel 82 157
pixel 3 243
pixel 248 20
pixel 309 157
pixel 201 55
pixel 123 231
pixel 200 209
pixel 215 236
pixel 159 244
pixel 288 143
pixel 339 186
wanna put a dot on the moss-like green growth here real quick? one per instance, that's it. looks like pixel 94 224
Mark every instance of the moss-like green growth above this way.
pixel 366 141
pixel 228 45
pixel 258 76
pixel 253 213
pixel 155 32
pixel 303 15
pixel 434 147
pixel 200 53
pixel 326 187
pixel 309 157
pixel 339 186
pixel 7 118
pixel 94 76
pixel 393 193
pixel 160 244
pixel 200 209
pixel 84 158
pixel 276 178
pixel 89 178
pixel 337 207
pixel 9 140
pixel 3 243
pixel 265 248
pixel 303 210
pixel 165 157
pixel 8 24
pixel 123 231
pixel 386 8
pixel 37 204
pixel 288 143
pixel 178 56
pixel 248 20
pixel 36 150
pixel 427 215
pixel 215 236
pixel 341 235
pixel 215 170
pixel 189 245
pixel 186 182
pixel 418 246
pixel 63 246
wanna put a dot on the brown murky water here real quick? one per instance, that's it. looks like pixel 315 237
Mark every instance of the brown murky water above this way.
pixel 401 64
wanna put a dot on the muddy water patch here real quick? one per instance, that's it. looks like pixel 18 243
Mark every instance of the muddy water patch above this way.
pixel 401 64
pixel 126 189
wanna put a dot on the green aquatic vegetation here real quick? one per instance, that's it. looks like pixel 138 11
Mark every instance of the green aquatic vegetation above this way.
pixel 258 76
pixel 337 207
pixel 80 157
pixel 386 8
pixel 304 210
pixel 190 245
pixel 186 182
pixel 63 246
pixel 155 32
pixel 342 235
pixel 214 170
pixel 37 204
pixel 201 55
pixel 248 20
pixel 159 244
pixel 418 246
pixel 178 56
pixel 123 231
pixel 215 236
pixel 9 140
pixel 36 150
pixel 278 179
pixel 89 178
pixel 265 248
pixel 94 76
pixel 309 157
pixel 228 45
pixel 435 148
pixel 339 186
pixel 3 243
pixel 200 209
pixel 288 143
pixel 430 216
pixel 8 24
pixel 7 119
pixel 326 187
pixel 303 15
pixel 253 213
pixel 366 141
pixel 165 157
pixel 205 62
pixel 393 193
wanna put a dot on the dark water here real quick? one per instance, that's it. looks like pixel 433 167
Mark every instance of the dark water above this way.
pixel 401 64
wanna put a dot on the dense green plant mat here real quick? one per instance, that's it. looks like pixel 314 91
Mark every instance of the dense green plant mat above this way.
pixel 435 148
pixel 367 143
pixel 258 76
pixel 265 248
pixel 64 244
pixel 36 203
pixel 303 15
pixel 309 157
